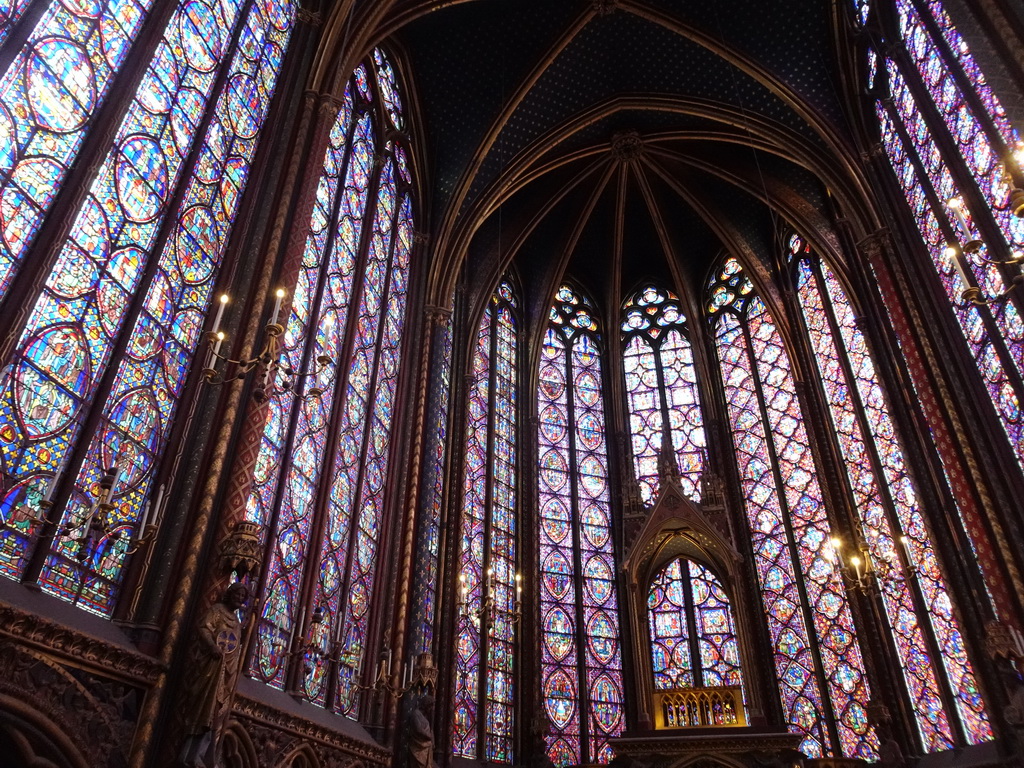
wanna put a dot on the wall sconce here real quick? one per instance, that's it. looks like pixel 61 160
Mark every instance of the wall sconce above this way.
pixel 486 612
pixel 857 570
pixel 96 524
pixel 268 358
pixel 973 245
pixel 422 674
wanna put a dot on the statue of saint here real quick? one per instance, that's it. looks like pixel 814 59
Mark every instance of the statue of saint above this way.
pixel 214 661
pixel 421 734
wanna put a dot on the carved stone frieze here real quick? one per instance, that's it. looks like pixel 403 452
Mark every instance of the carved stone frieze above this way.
pixel 276 735
pixel 64 642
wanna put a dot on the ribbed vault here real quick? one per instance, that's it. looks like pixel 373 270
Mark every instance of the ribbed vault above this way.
pixel 622 140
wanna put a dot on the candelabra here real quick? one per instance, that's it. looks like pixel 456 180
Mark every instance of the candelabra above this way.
pixel 486 612
pixel 268 358
pixel 859 570
pixel 973 246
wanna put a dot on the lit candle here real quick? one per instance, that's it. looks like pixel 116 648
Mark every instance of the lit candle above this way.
pixel 216 346
pixel 957 207
pixel 220 312
pixel 905 541
pixel 954 256
pixel 836 547
pixel 856 566
pixel 277 305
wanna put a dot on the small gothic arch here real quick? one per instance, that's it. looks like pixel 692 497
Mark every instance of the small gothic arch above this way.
pixel 676 527
pixel 302 756
pixel 236 748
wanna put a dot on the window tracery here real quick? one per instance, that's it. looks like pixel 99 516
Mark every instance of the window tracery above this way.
pixel 954 153
pixel 581 656
pixel 926 634
pixel 661 389
pixel 319 484
pixel 693 634
pixel 818 662
pixel 95 377
pixel 484 720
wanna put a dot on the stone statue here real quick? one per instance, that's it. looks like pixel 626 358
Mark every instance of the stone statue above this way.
pixel 213 664
pixel 421 734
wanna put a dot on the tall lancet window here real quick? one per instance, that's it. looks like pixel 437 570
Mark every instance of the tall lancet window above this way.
pixel 489 589
pixel 581 655
pixel 101 357
pixel 693 634
pixel 934 662
pixel 661 386
pixel 953 150
pixel 818 660
pixel 320 483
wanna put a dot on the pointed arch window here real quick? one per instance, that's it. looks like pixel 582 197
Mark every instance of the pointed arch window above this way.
pixel 693 634
pixel 484 719
pixel 100 362
pixel 957 159
pixel 818 661
pixel 320 475
pixel 581 656
pixel 925 632
pixel 661 389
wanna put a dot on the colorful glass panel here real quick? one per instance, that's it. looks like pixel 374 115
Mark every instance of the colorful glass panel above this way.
pixel 388 88
pixel 910 143
pixel 661 387
pixel 141 405
pixel 693 635
pixel 106 260
pixel 790 532
pixel 10 13
pixel 489 536
pixel 581 661
pixel 670 628
pixel 881 485
pixel 55 85
pixel 363 559
pixel 435 484
pixel 326 449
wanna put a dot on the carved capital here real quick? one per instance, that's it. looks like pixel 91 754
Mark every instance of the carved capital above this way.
pixel 437 315
pixel 874 244
pixel 241 551
pixel 1003 641
pixel 312 18
pixel 329 104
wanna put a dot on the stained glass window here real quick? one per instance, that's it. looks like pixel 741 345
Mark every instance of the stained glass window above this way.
pixel 661 387
pixel 931 651
pixel 581 656
pixel 488 582
pixel 320 473
pixel 693 634
pixel 426 600
pixel 818 660
pixel 949 141
pixel 84 334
